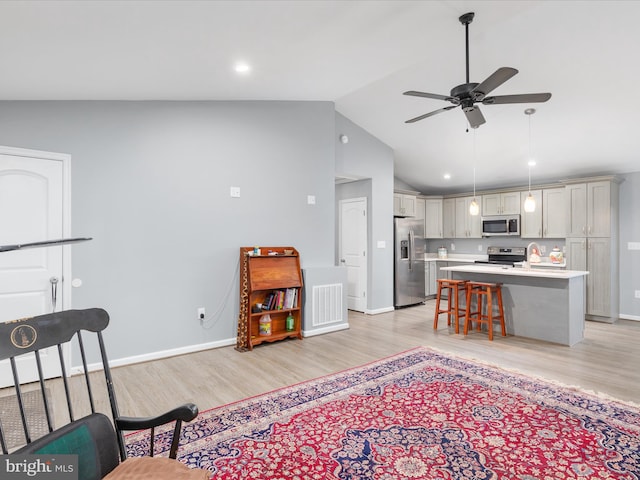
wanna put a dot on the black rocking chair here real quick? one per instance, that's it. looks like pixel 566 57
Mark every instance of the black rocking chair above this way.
pixel 99 446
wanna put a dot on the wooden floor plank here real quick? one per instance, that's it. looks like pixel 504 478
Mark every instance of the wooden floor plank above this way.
pixel 606 361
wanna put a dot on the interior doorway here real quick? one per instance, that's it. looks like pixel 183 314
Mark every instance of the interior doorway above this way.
pixel 34 206
pixel 353 250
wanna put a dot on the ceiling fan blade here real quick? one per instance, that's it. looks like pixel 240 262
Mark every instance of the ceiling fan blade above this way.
pixel 435 96
pixel 430 114
pixel 494 80
pixel 474 116
pixel 523 98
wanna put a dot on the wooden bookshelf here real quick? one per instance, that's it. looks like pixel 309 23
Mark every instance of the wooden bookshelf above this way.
pixel 273 275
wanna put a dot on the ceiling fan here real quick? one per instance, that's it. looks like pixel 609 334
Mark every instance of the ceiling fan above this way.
pixel 469 93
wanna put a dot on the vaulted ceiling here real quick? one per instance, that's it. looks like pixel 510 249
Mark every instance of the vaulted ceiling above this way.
pixel 362 55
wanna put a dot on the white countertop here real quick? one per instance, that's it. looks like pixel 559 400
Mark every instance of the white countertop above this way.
pixel 518 272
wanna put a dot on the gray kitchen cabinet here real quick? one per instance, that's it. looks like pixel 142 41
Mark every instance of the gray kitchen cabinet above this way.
pixel 594 255
pixel 576 196
pixel 531 222
pixel 554 213
pixel 449 218
pixel 433 218
pixel 420 213
pixel 548 219
pixel 501 203
pixel 404 205
pixel 591 208
pixel 592 242
pixel 467 225
pixel 430 271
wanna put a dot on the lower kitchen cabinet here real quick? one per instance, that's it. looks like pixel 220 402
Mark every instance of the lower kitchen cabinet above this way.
pixel 595 256
pixel 430 286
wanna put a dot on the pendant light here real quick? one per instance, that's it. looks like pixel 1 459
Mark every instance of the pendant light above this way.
pixel 474 208
pixel 530 202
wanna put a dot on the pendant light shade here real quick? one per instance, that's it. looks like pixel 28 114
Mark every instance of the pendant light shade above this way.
pixel 530 202
pixel 474 208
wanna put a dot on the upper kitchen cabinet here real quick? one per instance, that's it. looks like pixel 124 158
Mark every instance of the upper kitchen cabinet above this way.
pixel 420 211
pixel 531 222
pixel 449 218
pixel 592 208
pixel 467 225
pixel 548 219
pixel 433 217
pixel 404 205
pixel 554 213
pixel 501 203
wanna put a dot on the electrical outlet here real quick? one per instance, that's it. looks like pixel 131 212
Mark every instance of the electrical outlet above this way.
pixel 637 293
pixel 201 313
pixel 479 248
pixel 543 249
pixel 453 247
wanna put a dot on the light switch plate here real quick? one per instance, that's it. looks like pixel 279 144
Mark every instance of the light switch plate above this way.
pixel 633 245
pixel 311 199
pixel 382 244
pixel 234 192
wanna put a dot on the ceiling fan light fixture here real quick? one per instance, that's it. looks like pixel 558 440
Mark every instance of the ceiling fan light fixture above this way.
pixel 469 93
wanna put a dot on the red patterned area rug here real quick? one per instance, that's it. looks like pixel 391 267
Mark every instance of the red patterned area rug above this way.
pixel 417 415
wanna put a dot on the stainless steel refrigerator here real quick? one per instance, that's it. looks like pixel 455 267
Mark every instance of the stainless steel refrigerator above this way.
pixel 409 249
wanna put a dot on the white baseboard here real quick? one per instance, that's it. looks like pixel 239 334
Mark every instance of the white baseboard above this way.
pixel 321 331
pixel 379 310
pixel 629 317
pixel 157 355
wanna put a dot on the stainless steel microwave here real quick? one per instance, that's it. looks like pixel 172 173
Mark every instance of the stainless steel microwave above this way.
pixel 501 225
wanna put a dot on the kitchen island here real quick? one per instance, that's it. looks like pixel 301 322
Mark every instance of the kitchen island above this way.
pixel 545 304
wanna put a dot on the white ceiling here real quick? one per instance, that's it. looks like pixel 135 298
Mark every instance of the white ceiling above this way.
pixel 361 55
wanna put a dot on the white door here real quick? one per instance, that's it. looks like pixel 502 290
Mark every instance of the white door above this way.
pixel 31 210
pixel 353 250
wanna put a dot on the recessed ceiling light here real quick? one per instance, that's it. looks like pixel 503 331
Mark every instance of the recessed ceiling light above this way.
pixel 531 162
pixel 447 176
pixel 242 68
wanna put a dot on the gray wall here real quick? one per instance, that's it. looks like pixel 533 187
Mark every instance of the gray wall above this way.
pixel 366 157
pixel 150 184
pixel 629 232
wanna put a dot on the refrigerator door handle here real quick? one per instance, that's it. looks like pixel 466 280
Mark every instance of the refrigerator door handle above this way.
pixel 410 249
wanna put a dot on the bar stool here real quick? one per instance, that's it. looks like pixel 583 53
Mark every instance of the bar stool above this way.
pixel 480 290
pixel 454 310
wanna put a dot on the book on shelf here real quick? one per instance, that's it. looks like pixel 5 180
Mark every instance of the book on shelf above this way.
pixel 281 299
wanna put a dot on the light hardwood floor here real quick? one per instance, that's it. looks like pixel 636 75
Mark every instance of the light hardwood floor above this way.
pixel 606 361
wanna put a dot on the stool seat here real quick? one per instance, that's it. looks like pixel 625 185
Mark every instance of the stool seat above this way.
pixel 454 311
pixel 484 290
